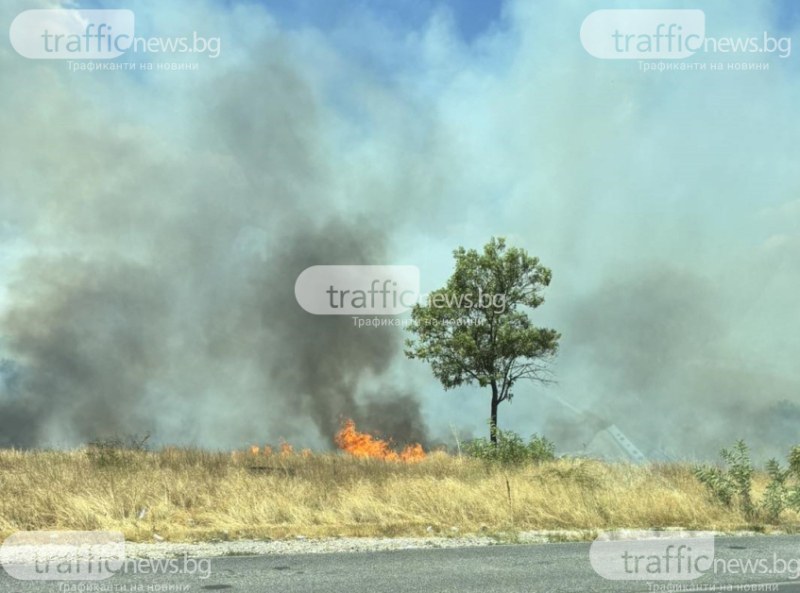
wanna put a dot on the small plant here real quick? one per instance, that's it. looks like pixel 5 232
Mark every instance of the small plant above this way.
pixel 783 491
pixel 541 449
pixel 511 448
pixel 793 495
pixel 731 484
pixel 775 496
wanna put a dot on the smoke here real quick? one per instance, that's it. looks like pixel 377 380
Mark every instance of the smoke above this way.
pixel 154 291
pixel 666 209
pixel 659 349
pixel 319 365
pixel 153 225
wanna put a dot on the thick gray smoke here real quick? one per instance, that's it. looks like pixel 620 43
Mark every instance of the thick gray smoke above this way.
pixel 152 226
pixel 317 364
pixel 664 367
pixel 159 293
pixel 666 208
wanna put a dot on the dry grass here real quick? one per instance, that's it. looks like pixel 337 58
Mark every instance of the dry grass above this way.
pixel 191 494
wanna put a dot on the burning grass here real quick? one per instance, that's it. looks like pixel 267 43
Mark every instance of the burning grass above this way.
pixel 189 494
pixel 367 446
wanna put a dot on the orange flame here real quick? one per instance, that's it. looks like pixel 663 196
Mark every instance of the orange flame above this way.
pixel 361 444
pixel 255 451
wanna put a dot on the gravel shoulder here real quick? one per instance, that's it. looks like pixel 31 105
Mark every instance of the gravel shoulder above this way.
pixel 303 545
pixel 300 545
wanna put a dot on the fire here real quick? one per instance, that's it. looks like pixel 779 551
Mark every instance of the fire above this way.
pixel 348 439
pixel 255 450
pixel 361 444
pixel 267 451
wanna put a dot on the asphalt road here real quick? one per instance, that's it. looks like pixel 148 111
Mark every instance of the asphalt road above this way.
pixel 497 569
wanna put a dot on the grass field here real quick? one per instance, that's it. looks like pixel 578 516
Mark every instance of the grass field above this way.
pixel 186 494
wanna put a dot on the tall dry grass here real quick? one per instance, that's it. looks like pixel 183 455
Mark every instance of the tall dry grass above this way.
pixel 187 494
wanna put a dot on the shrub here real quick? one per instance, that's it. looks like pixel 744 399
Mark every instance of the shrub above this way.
pixel 783 491
pixel 511 448
pixel 775 496
pixel 733 483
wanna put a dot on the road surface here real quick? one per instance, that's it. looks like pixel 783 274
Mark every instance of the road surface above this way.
pixel 542 568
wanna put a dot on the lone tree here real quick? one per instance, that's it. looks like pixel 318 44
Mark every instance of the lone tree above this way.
pixel 476 329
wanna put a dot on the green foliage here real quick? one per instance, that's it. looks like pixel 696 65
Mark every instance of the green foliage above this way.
pixel 775 495
pixel 476 329
pixel 731 484
pixel 740 471
pixel 511 448
pixel 783 491
pixel 794 460
pixel 717 482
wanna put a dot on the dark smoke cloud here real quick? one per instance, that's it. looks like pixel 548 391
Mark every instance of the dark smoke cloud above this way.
pixel 317 363
pixel 152 227
pixel 159 296
pixel 88 338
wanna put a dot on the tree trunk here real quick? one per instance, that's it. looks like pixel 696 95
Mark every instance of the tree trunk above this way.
pixel 493 421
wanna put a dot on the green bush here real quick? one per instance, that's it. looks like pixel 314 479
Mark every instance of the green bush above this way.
pixel 511 448
pixel 783 491
pixel 775 496
pixel 732 484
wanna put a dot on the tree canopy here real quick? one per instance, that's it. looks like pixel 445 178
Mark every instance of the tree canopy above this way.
pixel 477 328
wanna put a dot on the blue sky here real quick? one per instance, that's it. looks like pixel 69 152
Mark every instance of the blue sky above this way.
pixel 472 18
pixel 787 14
